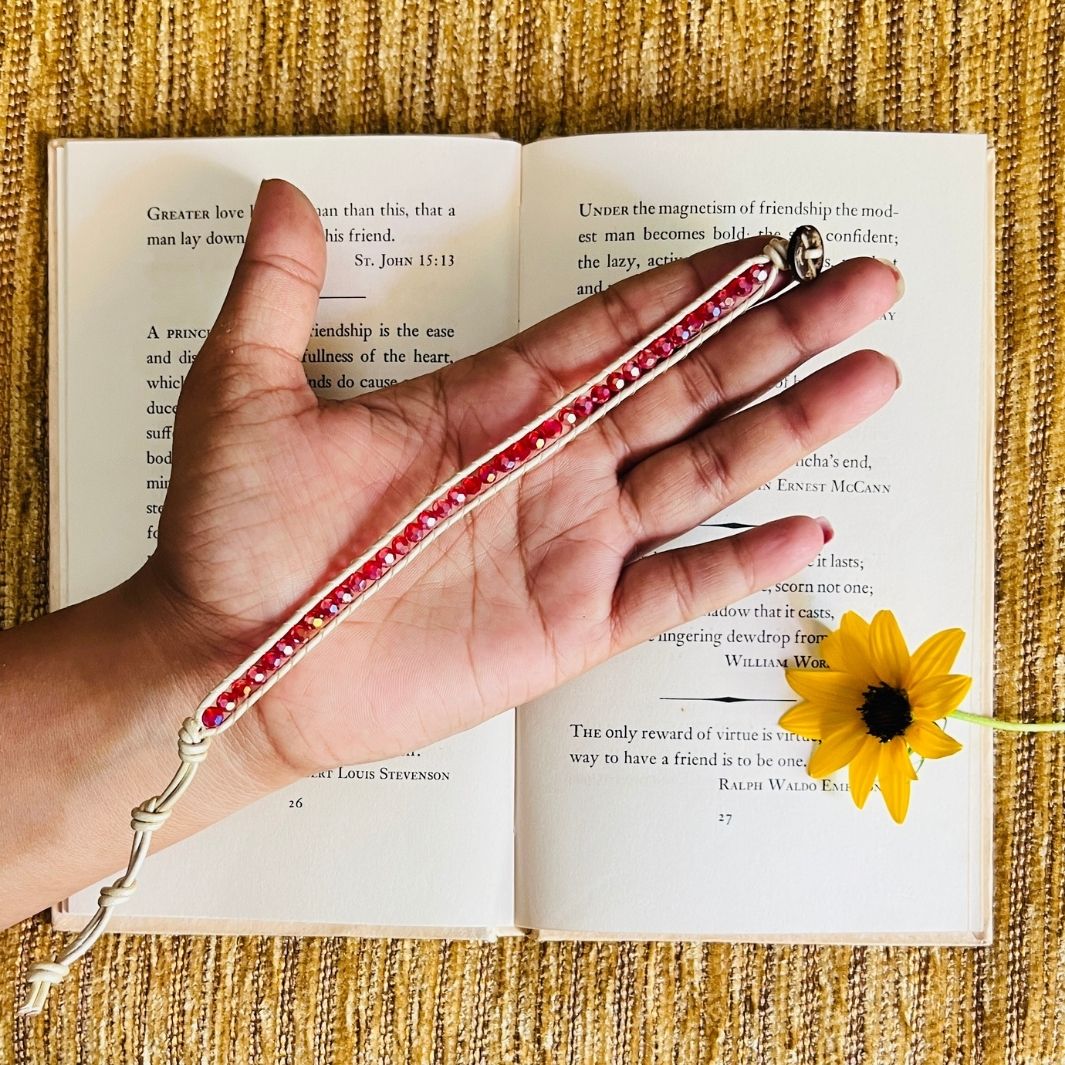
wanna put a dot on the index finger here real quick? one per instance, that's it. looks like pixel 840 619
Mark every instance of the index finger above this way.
pixel 492 393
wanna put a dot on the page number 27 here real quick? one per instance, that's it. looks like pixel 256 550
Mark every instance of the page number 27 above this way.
pixel 725 819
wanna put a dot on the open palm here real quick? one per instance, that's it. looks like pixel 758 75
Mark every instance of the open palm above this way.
pixel 273 492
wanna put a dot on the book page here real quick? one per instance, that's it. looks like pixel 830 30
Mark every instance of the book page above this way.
pixel 649 807
pixel 146 237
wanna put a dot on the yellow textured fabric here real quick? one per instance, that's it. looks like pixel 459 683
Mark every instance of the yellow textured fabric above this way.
pixel 207 67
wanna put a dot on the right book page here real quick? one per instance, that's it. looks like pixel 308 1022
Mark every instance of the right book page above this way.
pixel 648 808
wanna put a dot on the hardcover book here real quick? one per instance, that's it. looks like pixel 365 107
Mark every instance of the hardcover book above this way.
pixel 655 796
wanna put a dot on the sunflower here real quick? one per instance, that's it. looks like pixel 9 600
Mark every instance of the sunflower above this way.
pixel 875 704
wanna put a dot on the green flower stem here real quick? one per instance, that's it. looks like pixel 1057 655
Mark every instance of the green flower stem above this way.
pixel 1008 726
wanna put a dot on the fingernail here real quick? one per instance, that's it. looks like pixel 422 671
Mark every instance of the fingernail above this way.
pixel 262 186
pixel 826 528
pixel 898 372
pixel 900 284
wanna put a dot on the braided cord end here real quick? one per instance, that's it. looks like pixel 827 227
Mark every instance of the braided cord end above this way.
pixel 152 814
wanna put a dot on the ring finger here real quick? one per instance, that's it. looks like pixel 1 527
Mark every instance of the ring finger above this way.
pixel 672 490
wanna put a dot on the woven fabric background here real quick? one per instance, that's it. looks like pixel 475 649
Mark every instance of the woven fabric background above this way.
pixel 527 68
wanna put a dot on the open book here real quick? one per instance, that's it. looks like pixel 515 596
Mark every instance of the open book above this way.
pixel 638 801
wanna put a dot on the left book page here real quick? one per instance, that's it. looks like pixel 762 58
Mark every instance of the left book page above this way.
pixel 422 269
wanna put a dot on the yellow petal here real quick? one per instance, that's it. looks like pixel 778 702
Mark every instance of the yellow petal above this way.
pixel 827 688
pixel 855 626
pixel 804 719
pixel 854 644
pixel 863 769
pixel 837 749
pixel 936 655
pixel 895 774
pixel 887 649
pixel 814 722
pixel 937 696
pixel 930 741
pixel 831 650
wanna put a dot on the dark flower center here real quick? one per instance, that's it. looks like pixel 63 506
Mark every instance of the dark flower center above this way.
pixel 886 712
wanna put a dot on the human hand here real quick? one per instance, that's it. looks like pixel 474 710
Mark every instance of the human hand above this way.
pixel 273 491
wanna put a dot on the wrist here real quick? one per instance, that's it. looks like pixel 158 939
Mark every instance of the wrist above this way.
pixel 184 654
pixel 91 700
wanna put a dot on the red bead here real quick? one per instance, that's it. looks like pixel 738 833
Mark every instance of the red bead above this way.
pixel 551 429
pixel 615 382
pixel 504 462
pixel 712 311
pixel 568 416
pixel 400 546
pixel 695 321
pixel 646 360
pixel 631 370
pixel 680 334
pixel 372 570
pixel 327 608
pixel 583 406
pixel 212 717
pixel 456 497
pixel 386 556
pixel 299 634
pixel 600 394
pixel 662 347
pixel 256 675
pixel 520 450
pixel 440 510
pixel 343 595
pixel 471 485
pixel 536 440
pixel 488 473
pixel 356 583
pixel 744 285
pixel 227 701
pixel 415 532
pixel 761 274
pixel 274 657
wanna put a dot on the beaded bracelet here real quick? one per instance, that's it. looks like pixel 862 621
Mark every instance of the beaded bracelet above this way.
pixel 799 259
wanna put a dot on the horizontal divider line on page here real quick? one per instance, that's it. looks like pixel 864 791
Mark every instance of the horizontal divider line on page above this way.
pixel 721 699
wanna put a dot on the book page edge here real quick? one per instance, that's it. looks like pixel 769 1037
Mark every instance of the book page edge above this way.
pixel 855 939
pixel 56 189
pixel 986 917
pixel 64 921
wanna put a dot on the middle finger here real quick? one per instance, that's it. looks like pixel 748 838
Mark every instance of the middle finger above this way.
pixel 750 356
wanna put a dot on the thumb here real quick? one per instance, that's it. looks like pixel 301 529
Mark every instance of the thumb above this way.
pixel 259 337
